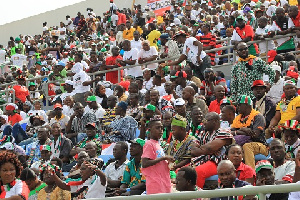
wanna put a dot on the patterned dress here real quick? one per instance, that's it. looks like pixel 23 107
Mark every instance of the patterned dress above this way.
pixel 243 74
pixel 126 125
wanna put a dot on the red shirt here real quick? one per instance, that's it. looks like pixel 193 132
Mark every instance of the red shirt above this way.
pixel 112 76
pixel 244 172
pixel 296 21
pixel 21 92
pixel 214 106
pixel 12 119
pixel 121 18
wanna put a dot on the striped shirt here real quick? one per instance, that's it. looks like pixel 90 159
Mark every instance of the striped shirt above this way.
pixel 209 40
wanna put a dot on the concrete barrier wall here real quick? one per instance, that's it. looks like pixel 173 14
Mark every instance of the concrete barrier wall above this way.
pixel 33 25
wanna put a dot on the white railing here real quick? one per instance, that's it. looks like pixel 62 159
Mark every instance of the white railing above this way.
pixel 261 191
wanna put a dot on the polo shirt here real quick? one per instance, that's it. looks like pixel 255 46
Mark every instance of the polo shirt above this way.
pixel 113 173
pixel 289 111
pixel 214 106
pixel 244 172
pixel 209 40
pixel 21 92
pixel 240 34
pixel 286 171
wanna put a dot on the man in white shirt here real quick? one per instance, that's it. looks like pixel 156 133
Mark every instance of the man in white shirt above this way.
pixel 114 171
pixel 94 107
pixel 193 53
pixel 148 80
pixel 81 80
pixel 18 59
pixel 148 53
pixel 69 23
pixel 2 54
pixel 114 18
pixel 263 32
pixel 130 57
pixel 136 42
pixel 276 90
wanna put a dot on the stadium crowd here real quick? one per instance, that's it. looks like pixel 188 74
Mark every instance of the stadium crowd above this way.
pixel 167 126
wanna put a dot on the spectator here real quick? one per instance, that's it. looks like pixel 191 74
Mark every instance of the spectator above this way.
pixel 186 179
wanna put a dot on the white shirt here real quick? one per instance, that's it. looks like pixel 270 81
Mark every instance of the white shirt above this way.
pixel 62 33
pixel 132 55
pixel 294 195
pixel 113 173
pixel 263 45
pixel 100 112
pixel 271 10
pixel 79 79
pixel 276 90
pixel 69 27
pixel 40 113
pixel 62 121
pixel 96 189
pixel 136 44
pixel 191 51
pixel 18 59
pixel 148 54
pixel 67 110
pixel 288 168
pixel 114 19
pixel 219 26
pixel 160 89
pixel 148 84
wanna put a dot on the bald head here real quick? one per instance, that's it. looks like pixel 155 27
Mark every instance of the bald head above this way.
pixel 212 115
pixel 227 164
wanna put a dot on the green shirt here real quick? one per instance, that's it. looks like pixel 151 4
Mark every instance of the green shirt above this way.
pixel 132 175
pixel 242 77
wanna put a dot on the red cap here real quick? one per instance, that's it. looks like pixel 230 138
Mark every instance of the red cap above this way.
pixel 258 83
pixel 10 107
pixel 271 55
pixel 125 84
pixel 91 124
pixel 57 105
pixel 181 74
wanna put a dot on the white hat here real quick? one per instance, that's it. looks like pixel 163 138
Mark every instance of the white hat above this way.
pixel 273 2
pixel 172 24
pixel 276 68
pixel 177 21
pixel 179 102
pixel 168 28
pixel 146 7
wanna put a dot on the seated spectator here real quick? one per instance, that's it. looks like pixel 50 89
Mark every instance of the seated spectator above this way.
pixel 287 109
pixel 276 89
pixel 134 89
pixel 60 117
pixel 120 93
pixel 60 145
pixel 262 103
pixel 34 184
pixel 211 145
pixel 100 93
pixel 115 170
pixel 243 172
pixel 134 107
pixel 38 110
pixel 166 102
pixel 33 150
pixel 188 94
pixel 52 190
pixel 228 179
pixel 196 124
pixel 265 176
pixel 249 131
pixel 186 179
pixel 76 126
pixel 290 134
pixel 133 181
pixel 21 91
pixel 45 157
pixel 110 111
pixel 180 147
pixel 68 105
pixel 75 171
pixel 215 106
pixel 284 169
pixel 94 107
pixel 13 116
pixel 123 128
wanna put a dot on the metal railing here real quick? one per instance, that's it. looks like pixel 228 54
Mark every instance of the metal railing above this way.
pixel 230 56
pixel 261 191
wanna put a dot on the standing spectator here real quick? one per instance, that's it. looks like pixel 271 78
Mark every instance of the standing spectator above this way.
pixel 148 53
pixel 248 69
pixel 60 117
pixel 244 33
pixel 154 162
pixel 111 63
pixel 136 42
pixel 128 32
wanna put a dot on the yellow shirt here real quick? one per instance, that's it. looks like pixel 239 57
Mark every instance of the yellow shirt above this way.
pixel 293 2
pixel 128 34
pixel 153 37
pixel 287 113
